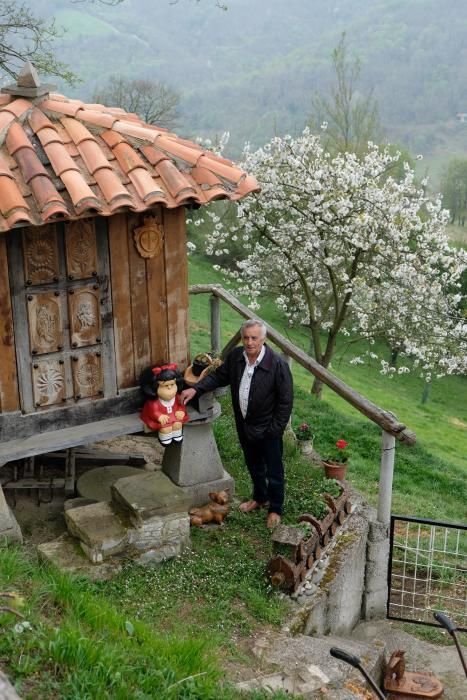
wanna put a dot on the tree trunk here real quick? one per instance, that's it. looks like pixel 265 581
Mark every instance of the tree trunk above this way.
pixel 426 393
pixel 393 357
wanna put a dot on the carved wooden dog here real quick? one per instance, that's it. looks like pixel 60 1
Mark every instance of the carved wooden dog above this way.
pixel 213 512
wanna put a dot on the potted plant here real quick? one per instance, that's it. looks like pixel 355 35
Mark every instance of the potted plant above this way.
pixel 305 438
pixel 335 466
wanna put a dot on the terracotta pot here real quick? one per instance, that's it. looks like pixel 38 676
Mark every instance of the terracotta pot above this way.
pixel 335 470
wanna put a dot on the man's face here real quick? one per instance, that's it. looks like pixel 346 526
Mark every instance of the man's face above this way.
pixel 253 341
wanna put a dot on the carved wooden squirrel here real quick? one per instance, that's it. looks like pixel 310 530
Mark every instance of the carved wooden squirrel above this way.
pixel 213 512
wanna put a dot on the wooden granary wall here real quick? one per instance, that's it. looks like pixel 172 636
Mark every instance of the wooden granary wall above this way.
pixel 84 307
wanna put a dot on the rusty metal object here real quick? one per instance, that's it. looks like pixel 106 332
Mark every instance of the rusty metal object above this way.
pixel 406 684
pixel 296 551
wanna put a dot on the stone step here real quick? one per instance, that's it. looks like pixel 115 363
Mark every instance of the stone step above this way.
pixel 148 495
pixel 100 529
pixel 66 554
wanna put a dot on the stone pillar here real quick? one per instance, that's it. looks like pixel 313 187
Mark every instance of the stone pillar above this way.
pixel 376 575
pixel 9 528
pixel 195 464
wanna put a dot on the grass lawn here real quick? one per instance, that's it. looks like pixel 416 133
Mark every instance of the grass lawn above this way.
pixel 178 630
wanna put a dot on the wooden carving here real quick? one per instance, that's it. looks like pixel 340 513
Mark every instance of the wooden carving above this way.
pixel 87 375
pixel 45 323
pixel 81 253
pixel 149 238
pixel 48 382
pixel 40 254
pixel 83 306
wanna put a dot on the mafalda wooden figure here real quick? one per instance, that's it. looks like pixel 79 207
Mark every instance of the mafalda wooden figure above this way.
pixel 163 410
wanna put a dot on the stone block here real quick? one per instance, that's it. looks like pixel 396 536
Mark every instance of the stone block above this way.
pixel 147 495
pixel 101 530
pixel 160 531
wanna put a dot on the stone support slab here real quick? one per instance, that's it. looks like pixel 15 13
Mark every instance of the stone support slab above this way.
pixel 148 495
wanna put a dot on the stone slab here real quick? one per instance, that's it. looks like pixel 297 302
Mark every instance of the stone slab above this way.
pixel 199 493
pixel 147 495
pixel 101 530
pixel 96 483
pixel 168 530
pixel 306 668
pixel 66 554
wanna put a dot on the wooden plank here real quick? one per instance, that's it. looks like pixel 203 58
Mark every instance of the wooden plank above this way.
pixel 385 419
pixel 69 437
pixel 16 425
pixel 157 303
pixel 139 301
pixel 176 265
pixel 19 302
pixel 9 398
pixel 120 284
pixel 104 280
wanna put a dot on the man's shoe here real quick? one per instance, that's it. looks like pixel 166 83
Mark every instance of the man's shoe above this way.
pixel 273 520
pixel 249 506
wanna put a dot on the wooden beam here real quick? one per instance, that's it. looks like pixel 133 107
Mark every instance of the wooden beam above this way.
pixel 385 419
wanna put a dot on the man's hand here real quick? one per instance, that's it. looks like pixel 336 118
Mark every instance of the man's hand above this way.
pixel 187 395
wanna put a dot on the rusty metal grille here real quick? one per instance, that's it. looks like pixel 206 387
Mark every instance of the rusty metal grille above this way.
pixel 427 571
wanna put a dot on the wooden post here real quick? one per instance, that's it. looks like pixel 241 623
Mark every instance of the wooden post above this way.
pixel 288 359
pixel 215 305
pixel 388 448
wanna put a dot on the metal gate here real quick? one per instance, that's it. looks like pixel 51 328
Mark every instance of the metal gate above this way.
pixel 427 571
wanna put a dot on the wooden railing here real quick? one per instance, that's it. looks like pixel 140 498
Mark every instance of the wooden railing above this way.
pixel 391 427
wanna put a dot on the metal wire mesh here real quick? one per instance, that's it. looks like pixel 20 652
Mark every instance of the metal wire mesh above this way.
pixel 427 571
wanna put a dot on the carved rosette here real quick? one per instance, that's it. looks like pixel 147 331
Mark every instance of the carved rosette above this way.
pixel 87 375
pixel 48 382
pixel 84 314
pixel 40 253
pixel 81 253
pixel 149 238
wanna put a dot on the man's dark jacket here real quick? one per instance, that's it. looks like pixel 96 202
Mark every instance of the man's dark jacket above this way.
pixel 271 392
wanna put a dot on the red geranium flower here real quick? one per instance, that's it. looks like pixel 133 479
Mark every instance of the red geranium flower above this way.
pixel 341 444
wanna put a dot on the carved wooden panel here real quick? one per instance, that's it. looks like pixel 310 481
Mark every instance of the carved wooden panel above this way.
pixel 48 379
pixel 45 322
pixel 87 375
pixel 84 313
pixel 80 250
pixel 40 253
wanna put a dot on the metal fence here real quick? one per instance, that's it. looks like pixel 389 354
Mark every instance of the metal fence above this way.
pixel 427 571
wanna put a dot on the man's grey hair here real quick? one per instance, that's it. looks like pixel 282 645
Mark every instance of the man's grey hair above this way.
pixel 253 322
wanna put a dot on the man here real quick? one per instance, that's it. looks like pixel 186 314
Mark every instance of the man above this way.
pixel 262 396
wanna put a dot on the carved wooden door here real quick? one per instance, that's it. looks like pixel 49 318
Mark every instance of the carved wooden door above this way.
pixel 62 313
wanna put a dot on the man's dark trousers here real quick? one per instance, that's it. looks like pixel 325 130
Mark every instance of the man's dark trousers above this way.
pixel 263 457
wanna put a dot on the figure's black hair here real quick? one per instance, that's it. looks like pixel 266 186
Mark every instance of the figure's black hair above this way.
pixel 148 380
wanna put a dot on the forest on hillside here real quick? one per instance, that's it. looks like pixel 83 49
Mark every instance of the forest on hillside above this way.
pixel 253 69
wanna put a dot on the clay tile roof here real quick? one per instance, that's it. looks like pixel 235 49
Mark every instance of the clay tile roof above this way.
pixel 60 157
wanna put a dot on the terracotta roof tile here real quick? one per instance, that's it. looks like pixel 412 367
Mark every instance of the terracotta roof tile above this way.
pixel 5 119
pixel 146 186
pixel 72 159
pixel 59 158
pixel 18 107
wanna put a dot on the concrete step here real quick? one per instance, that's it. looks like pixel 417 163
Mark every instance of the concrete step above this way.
pixel 305 667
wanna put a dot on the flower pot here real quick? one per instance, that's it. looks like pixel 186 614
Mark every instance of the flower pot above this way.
pixel 306 447
pixel 335 470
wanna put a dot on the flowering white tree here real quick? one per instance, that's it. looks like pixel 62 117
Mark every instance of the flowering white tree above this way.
pixel 348 249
